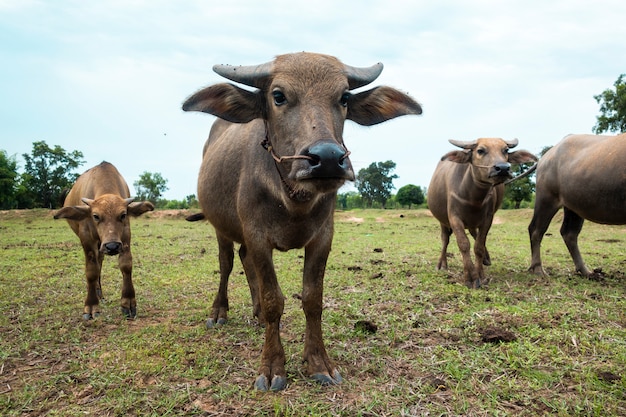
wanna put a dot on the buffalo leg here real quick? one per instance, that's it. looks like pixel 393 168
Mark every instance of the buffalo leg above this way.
pixel 219 310
pixel 128 302
pixel 319 365
pixel 93 267
pixel 542 216
pixel 470 275
pixel 487 257
pixel 570 229
pixel 445 241
pixel 272 374
pixel 253 284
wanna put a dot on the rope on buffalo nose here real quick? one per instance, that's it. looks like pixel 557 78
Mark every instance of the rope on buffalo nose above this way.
pixel 522 175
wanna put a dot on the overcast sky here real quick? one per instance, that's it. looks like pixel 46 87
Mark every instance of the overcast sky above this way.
pixel 108 78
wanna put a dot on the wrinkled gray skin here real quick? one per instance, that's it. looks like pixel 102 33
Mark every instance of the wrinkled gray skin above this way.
pixel 465 191
pixel 97 209
pixel 586 175
pixel 302 100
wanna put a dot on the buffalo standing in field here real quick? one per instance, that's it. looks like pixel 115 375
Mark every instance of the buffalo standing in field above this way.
pixel 586 175
pixel 270 172
pixel 102 224
pixel 465 191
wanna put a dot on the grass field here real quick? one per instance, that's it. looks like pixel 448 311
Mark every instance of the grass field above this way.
pixel 523 345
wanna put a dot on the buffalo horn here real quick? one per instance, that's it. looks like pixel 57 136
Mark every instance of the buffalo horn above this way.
pixel 512 143
pixel 358 77
pixel 251 75
pixel 463 143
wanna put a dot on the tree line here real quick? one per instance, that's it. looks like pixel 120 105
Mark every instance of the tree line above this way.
pixel 49 171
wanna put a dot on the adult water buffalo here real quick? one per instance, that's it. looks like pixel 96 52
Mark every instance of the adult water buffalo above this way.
pixel 97 209
pixel 269 176
pixel 465 191
pixel 586 175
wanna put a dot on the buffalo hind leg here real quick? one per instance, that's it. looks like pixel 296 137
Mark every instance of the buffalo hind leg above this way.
pixel 570 229
pixel 445 241
pixel 219 310
pixel 487 257
pixel 253 284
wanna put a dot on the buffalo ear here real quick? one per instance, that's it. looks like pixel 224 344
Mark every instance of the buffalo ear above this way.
pixel 228 102
pixel 380 104
pixel 73 213
pixel 139 208
pixel 460 157
pixel 521 157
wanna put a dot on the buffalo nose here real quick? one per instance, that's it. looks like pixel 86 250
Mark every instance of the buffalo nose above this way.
pixel 328 160
pixel 112 248
pixel 503 168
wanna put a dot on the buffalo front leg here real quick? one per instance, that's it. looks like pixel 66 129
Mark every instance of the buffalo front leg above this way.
pixel 542 216
pixel 219 310
pixel 319 365
pixel 570 229
pixel 128 302
pixel 272 375
pixel 470 275
pixel 93 266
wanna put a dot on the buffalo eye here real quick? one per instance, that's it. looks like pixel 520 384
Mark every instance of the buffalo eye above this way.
pixel 345 97
pixel 122 216
pixel 96 218
pixel 481 152
pixel 279 98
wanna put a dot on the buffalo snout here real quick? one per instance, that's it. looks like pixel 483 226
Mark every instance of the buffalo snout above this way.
pixel 328 160
pixel 502 169
pixel 111 248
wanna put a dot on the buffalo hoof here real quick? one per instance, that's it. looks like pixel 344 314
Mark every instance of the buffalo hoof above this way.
pixel 129 313
pixel 89 316
pixel 211 323
pixel 324 379
pixel 279 383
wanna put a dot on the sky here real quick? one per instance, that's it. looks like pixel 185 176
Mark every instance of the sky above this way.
pixel 108 78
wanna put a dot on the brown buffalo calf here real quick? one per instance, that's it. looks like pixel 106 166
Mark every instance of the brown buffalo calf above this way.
pixel 465 191
pixel 101 223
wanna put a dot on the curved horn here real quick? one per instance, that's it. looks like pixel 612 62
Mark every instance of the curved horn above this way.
pixel 463 144
pixel 358 77
pixel 511 143
pixel 252 75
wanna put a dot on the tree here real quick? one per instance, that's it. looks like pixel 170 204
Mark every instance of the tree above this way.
pixel 612 108
pixel 376 182
pixel 521 189
pixel 48 171
pixel 8 181
pixel 410 194
pixel 150 187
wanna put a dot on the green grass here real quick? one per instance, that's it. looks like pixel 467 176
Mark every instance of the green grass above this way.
pixel 427 357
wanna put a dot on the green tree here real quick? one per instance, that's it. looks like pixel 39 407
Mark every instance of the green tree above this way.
pixel 376 182
pixel 150 187
pixel 8 181
pixel 612 116
pixel 410 194
pixel 521 189
pixel 47 172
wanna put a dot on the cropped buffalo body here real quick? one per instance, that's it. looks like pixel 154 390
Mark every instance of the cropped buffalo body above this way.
pixel 586 175
pixel 269 176
pixel 97 209
pixel 465 191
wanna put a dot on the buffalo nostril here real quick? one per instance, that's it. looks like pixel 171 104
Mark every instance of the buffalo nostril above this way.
pixel 504 167
pixel 112 247
pixel 326 153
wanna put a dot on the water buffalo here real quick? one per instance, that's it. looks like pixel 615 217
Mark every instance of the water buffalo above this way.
pixel 270 172
pixel 586 175
pixel 465 191
pixel 101 223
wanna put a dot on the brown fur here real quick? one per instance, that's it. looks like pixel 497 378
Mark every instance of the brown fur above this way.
pixel 586 175
pixel 97 209
pixel 464 193
pixel 265 205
